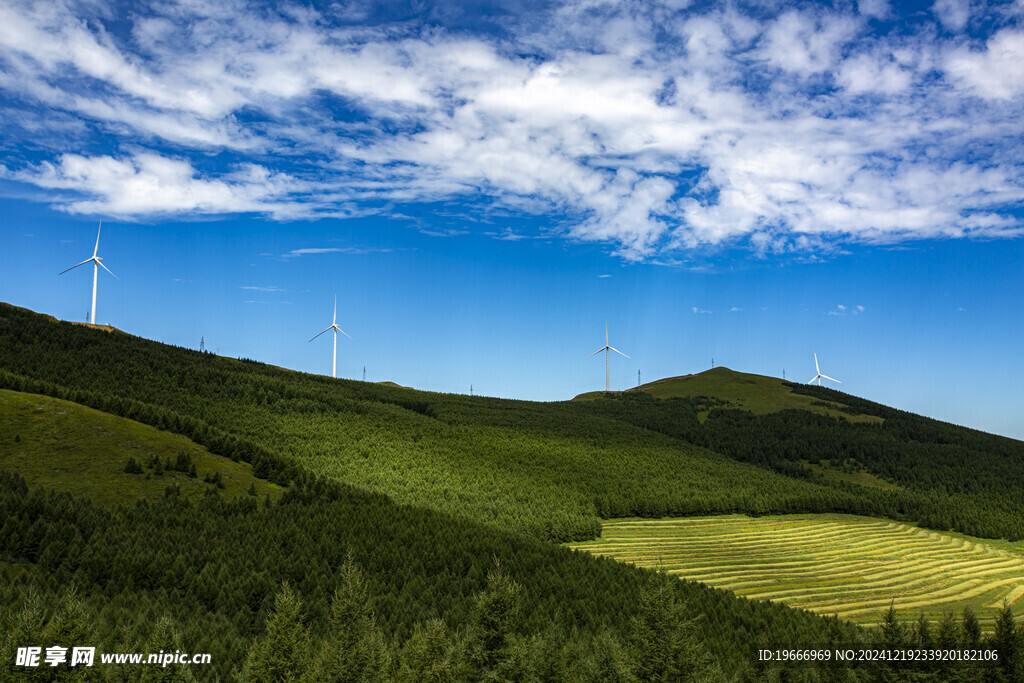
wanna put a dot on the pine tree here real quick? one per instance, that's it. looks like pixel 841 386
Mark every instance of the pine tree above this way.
pixel 923 633
pixel 892 631
pixel 1006 638
pixel 280 655
pixel 970 629
pixel 664 643
pixel 165 638
pixel 71 626
pixel 488 652
pixel 20 628
pixel 427 656
pixel 948 637
pixel 354 650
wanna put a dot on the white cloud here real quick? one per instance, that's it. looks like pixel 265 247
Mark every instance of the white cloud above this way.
pixel 793 131
pixel 953 14
pixel 876 9
pixel 149 183
pixel 871 73
pixel 308 251
pixel 697 309
pixel 807 43
pixel 993 73
pixel 508 235
pixel 841 310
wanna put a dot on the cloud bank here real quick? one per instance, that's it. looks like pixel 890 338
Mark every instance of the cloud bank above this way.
pixel 653 128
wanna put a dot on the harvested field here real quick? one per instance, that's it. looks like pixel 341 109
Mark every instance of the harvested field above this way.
pixel 844 565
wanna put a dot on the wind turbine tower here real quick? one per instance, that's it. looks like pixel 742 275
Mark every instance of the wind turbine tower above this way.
pixel 606 349
pixel 820 376
pixel 334 326
pixel 97 262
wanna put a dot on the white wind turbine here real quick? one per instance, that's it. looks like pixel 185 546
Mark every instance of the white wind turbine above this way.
pixel 820 376
pixel 96 263
pixel 606 349
pixel 334 326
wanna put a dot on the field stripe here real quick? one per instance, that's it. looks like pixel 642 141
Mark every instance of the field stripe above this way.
pixel 845 565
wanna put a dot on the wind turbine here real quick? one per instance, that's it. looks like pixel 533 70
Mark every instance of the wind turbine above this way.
pixel 96 263
pixel 820 376
pixel 606 349
pixel 334 326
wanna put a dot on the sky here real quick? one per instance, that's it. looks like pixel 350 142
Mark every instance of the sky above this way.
pixel 483 185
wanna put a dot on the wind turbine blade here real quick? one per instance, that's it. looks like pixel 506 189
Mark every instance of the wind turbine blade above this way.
pixel 108 270
pixel 816 368
pixel 75 266
pixel 618 352
pixel 595 353
pixel 329 328
pixel 334 320
pixel 606 333
pixel 831 378
pixel 97 249
pixel 811 381
pixel 345 333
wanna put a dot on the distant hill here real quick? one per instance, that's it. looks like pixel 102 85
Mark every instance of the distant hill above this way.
pixel 757 393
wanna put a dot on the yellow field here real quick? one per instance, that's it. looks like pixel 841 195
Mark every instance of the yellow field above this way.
pixel 852 567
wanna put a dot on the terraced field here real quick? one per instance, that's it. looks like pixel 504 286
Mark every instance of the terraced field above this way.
pixel 852 567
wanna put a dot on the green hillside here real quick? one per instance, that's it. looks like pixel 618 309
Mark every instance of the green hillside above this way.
pixel 430 493
pixel 549 470
pixel 64 446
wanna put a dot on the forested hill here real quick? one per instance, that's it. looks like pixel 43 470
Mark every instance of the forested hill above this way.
pixel 551 470
pixel 429 493
pixel 217 572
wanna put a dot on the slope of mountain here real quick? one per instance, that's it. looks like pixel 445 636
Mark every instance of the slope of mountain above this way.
pixel 68 447
pixel 212 565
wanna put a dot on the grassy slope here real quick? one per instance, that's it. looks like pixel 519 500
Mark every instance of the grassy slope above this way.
pixel 840 565
pixel 508 463
pixel 756 393
pixel 859 477
pixel 530 467
pixel 62 445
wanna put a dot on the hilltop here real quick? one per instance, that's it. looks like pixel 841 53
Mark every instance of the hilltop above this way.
pixel 757 393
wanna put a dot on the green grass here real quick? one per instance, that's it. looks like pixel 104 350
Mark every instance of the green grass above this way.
pixel 860 477
pixel 756 393
pixel 843 565
pixel 68 447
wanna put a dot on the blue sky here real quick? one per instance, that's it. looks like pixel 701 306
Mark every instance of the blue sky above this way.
pixel 483 185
